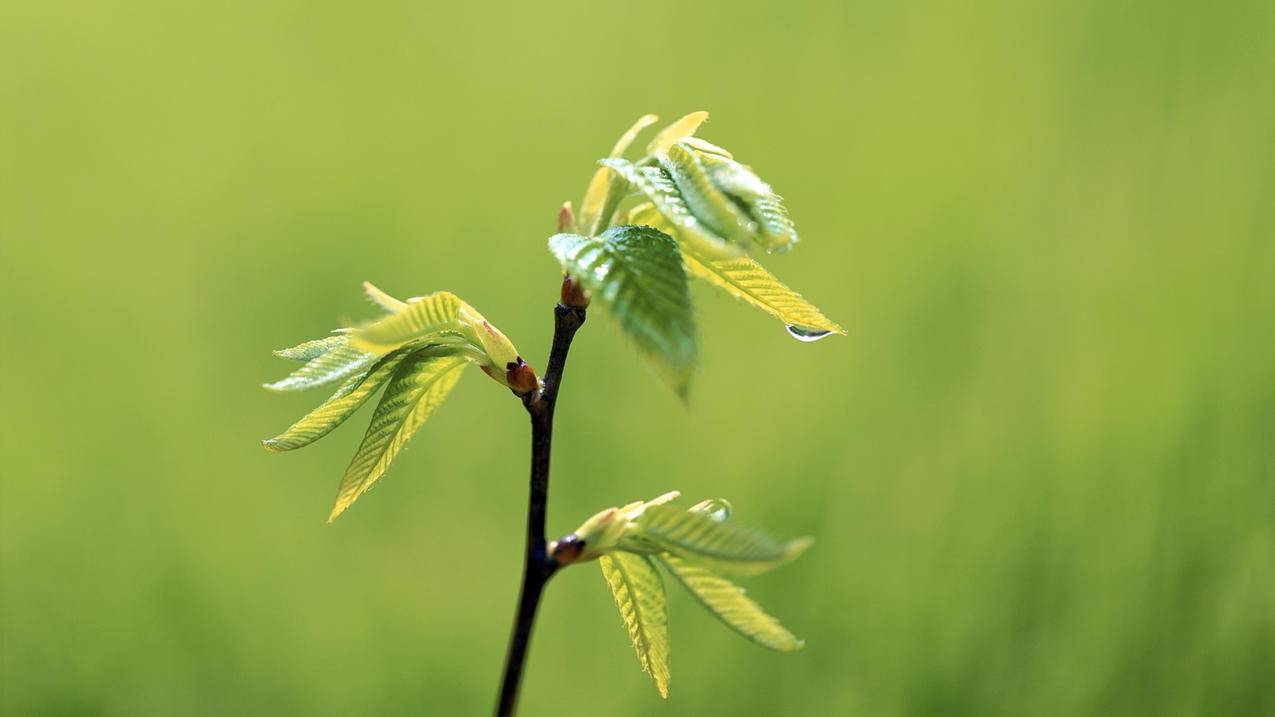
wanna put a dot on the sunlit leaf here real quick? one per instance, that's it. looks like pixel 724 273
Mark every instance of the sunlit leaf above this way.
pixel 432 319
pixel 728 602
pixel 339 362
pixel 382 299
pixel 607 188
pixel 677 131
pixel 747 280
pixel 637 273
pixel 418 386
pixel 659 188
pixel 717 546
pixel 640 598
pixel 332 412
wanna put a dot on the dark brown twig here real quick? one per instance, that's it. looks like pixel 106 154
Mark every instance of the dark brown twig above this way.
pixel 538 565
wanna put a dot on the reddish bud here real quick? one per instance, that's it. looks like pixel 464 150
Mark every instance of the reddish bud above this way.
pixel 573 294
pixel 567 550
pixel 521 377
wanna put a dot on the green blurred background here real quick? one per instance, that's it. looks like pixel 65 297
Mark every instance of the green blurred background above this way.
pixel 1041 468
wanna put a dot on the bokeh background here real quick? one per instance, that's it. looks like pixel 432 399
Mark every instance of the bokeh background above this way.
pixel 1040 469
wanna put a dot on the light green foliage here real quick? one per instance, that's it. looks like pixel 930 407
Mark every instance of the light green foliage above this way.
pixel 725 547
pixel 417 389
pixel 332 412
pixel 416 352
pixel 637 273
pixel 639 595
pixel 694 545
pixel 728 602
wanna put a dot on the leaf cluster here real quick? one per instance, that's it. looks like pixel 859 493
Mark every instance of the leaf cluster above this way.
pixel 696 213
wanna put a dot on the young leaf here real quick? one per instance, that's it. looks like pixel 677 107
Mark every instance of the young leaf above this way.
pixel 637 273
pixel 747 280
pixel 310 350
pixel 728 602
pixel 340 361
pixel 681 129
pixel 717 211
pixel 720 547
pixel 382 299
pixel 607 188
pixel 639 595
pixel 418 386
pixel 658 187
pixel 427 320
pixel 333 412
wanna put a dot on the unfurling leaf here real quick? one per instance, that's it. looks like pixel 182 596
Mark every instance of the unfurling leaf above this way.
pixel 747 280
pixel 417 353
pixel 639 595
pixel 721 547
pixel 637 273
pixel 442 321
pixel 728 602
pixel 659 188
pixel 417 388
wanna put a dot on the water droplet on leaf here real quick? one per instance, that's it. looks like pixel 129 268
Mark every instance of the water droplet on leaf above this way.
pixel 802 333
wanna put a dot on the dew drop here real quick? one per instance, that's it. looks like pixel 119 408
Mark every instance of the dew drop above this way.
pixel 807 335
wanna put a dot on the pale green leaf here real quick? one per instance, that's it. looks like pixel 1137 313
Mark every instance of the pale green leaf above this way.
pixel 418 386
pixel 717 546
pixel 728 602
pixel 747 280
pixel 637 273
pixel 681 129
pixel 332 412
pixel 710 205
pixel 433 319
pixel 310 350
pixel 382 299
pixel 639 595
pixel 659 188
pixel 338 362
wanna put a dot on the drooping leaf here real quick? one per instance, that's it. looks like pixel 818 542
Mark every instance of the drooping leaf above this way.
pixel 310 350
pixel 747 280
pixel 677 131
pixel 710 205
pixel 339 362
pixel 639 595
pixel 657 186
pixel 382 299
pixel 637 273
pixel 728 602
pixel 418 386
pixel 433 319
pixel 333 412
pixel 717 546
pixel 607 188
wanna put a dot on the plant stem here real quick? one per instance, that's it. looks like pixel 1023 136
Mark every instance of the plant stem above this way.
pixel 538 565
